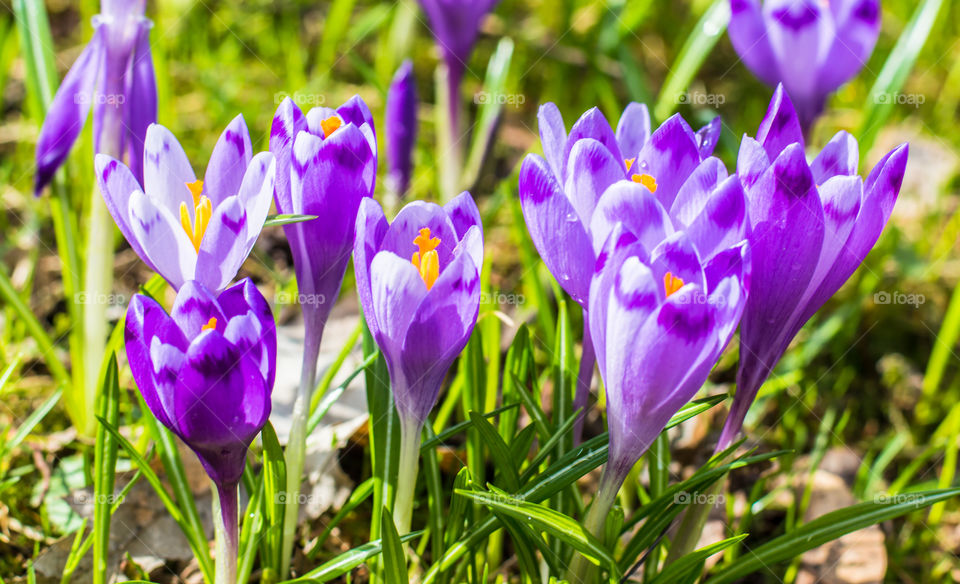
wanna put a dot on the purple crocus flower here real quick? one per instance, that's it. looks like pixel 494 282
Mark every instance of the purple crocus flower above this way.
pixel 418 279
pixel 560 191
pixel 812 47
pixel 115 74
pixel 401 127
pixel 811 225
pixel 455 25
pixel 206 371
pixel 187 229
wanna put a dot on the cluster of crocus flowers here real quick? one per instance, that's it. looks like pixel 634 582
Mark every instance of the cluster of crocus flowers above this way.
pixel 811 225
pixel 326 164
pixel 401 119
pixel 560 192
pixel 188 229
pixel 418 279
pixel 206 371
pixel 114 75
pixel 810 46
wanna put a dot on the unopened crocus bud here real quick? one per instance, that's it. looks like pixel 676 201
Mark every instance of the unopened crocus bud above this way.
pixel 401 127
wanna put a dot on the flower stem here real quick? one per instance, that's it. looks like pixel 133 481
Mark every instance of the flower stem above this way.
pixel 581 569
pixel 226 515
pixel 694 518
pixel 449 146
pixel 406 474
pixel 297 442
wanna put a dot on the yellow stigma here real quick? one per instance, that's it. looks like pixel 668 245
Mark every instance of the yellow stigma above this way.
pixel 629 162
pixel 211 324
pixel 671 283
pixel 330 125
pixel 646 180
pixel 202 210
pixel 427 261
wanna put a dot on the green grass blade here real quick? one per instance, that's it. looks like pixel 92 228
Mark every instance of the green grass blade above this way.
pixel 394 560
pixel 105 465
pixel 692 563
pixel 360 494
pixel 890 81
pixel 274 500
pixel 281 219
pixel 827 528
pixel 347 561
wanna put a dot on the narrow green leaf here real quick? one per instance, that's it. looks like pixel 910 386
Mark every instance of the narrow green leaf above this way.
pixel 431 443
pixel 360 494
pixel 394 561
pixel 499 452
pixel 543 518
pixel 491 101
pixel 274 499
pixel 35 417
pixel 347 561
pixel 692 563
pixel 105 465
pixel 286 219
pixel 827 528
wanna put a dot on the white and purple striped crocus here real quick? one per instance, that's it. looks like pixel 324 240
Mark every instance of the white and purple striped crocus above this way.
pixel 115 75
pixel 811 224
pixel 560 191
pixel 206 371
pixel 401 119
pixel 418 279
pixel 188 229
pixel 812 47
pixel 666 296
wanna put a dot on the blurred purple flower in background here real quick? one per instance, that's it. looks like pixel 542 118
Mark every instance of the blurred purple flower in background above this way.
pixel 811 225
pixel 115 75
pixel 184 228
pixel 401 120
pixel 418 279
pixel 810 46
pixel 206 371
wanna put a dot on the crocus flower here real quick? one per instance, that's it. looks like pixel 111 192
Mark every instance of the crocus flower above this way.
pixel 811 225
pixel 401 127
pixel 115 74
pixel 188 229
pixel 418 279
pixel 326 164
pixel 455 25
pixel 560 191
pixel 206 371
pixel 811 47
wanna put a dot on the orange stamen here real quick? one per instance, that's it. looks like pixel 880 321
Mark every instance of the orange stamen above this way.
pixel 196 189
pixel 629 162
pixel 671 283
pixel 427 260
pixel 211 324
pixel 330 125
pixel 646 180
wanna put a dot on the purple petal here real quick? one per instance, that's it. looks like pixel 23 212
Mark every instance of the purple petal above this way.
pixel 669 157
pixel 117 184
pixel 752 161
pixel 163 239
pixel 68 112
pixel 288 121
pixel 723 220
pixel 397 290
pixel 591 124
pixel 677 255
pixel 633 129
pixel 634 207
pixel 141 108
pixel 256 193
pixel 857 29
pixel 228 162
pixel 251 326
pixel 224 245
pixel 555 228
pixel 693 195
pixel 841 156
pixel 146 319
pixel 407 225
pixel 728 282
pixel 371 228
pixel 708 136
pixel 780 127
pixel 463 213
pixel 193 308
pixel 401 120
pixel 166 171
pixel 553 136
pixel 748 34
pixel 591 169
